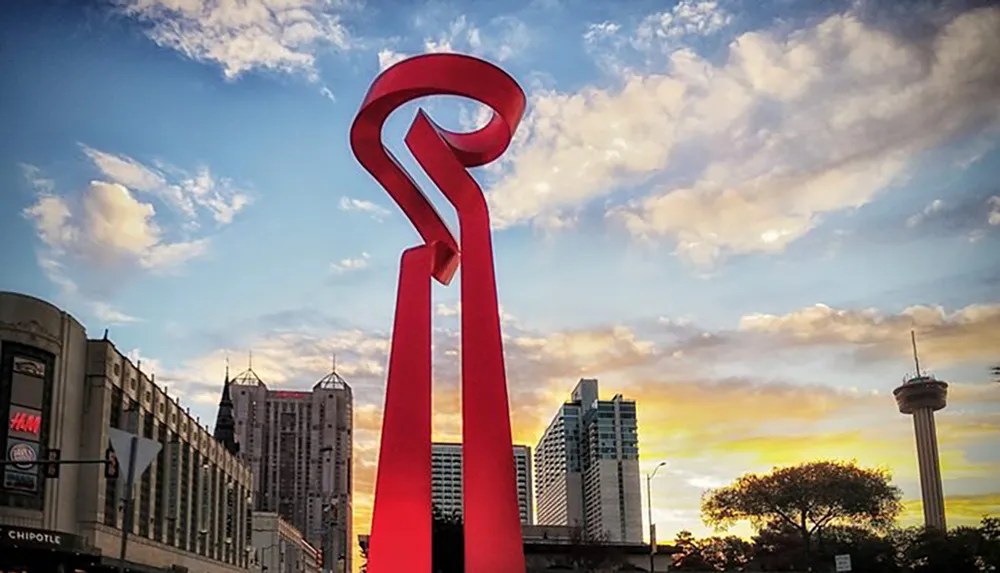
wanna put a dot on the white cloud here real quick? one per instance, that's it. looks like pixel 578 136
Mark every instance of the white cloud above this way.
pixel 790 128
pixel 454 309
pixel 931 208
pixel 994 216
pixel 686 18
pixel 110 227
pixel 501 39
pixel 276 35
pixel 93 240
pixel 110 315
pixel 374 211
pixel 186 192
pixel 600 31
pixel 125 170
pixel 351 264
pixel 387 58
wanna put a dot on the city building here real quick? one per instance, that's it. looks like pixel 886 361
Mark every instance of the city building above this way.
pixel 446 479
pixel 278 547
pixel 298 445
pixel 61 393
pixel 921 396
pixel 587 467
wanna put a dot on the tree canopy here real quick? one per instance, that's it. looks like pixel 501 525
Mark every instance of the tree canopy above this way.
pixel 806 498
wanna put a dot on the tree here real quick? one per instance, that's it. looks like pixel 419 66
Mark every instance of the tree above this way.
pixel 869 550
pixel 960 550
pixel 592 553
pixel 995 370
pixel 728 553
pixel 447 543
pixel 807 498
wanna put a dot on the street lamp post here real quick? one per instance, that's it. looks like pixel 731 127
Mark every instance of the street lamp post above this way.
pixel 649 503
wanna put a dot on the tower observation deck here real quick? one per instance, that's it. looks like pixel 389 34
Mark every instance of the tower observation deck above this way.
pixel 920 397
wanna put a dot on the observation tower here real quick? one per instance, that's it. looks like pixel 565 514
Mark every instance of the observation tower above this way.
pixel 920 397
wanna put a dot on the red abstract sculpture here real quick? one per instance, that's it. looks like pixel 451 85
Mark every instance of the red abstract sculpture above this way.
pixel 401 520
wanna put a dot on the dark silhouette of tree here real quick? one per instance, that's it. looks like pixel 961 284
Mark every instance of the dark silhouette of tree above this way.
pixel 778 547
pixel 807 498
pixel 995 370
pixel 447 543
pixel 869 550
pixel 960 550
pixel 728 553
pixel 592 553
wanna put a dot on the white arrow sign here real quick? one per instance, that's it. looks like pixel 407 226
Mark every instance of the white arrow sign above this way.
pixel 145 451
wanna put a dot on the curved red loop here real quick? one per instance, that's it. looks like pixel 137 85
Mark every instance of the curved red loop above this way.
pixel 435 74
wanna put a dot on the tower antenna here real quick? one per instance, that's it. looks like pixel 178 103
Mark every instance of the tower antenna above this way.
pixel 916 358
pixel 250 360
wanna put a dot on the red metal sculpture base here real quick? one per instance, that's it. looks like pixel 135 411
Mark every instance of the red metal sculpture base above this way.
pixel 401 521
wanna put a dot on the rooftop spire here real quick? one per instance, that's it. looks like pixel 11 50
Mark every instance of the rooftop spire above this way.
pixel 225 424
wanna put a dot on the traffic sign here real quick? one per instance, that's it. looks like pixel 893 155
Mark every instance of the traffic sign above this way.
pixel 145 451
pixel 843 562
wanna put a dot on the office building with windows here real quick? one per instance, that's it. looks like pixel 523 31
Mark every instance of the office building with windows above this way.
pixel 446 479
pixel 587 467
pixel 298 445
pixel 278 547
pixel 64 391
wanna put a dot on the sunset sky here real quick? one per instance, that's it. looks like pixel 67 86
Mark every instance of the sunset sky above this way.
pixel 733 212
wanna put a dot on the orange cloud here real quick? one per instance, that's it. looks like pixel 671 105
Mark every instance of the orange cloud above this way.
pixel 970 333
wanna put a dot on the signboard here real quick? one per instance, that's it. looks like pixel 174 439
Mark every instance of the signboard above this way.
pixel 20 481
pixel 26 536
pixel 29 367
pixel 843 562
pixel 289 394
pixel 24 423
pixel 23 455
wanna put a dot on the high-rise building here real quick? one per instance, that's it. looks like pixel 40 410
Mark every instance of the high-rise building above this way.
pixel 587 467
pixel 446 479
pixel 920 397
pixel 298 445
pixel 61 393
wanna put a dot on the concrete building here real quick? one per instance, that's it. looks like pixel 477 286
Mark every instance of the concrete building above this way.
pixel 587 467
pixel 563 548
pixel 298 445
pixel 278 547
pixel 190 507
pixel 920 397
pixel 446 479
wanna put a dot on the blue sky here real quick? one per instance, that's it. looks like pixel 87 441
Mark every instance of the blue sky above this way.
pixel 760 199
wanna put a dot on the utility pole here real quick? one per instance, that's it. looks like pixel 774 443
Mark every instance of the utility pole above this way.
pixel 127 503
pixel 128 490
pixel 652 528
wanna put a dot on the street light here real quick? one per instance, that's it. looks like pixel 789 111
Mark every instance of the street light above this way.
pixel 652 530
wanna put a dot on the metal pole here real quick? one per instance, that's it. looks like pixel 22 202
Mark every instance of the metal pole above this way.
pixel 649 504
pixel 127 518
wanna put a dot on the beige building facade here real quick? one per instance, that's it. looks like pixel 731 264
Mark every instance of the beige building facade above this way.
pixel 278 547
pixel 190 506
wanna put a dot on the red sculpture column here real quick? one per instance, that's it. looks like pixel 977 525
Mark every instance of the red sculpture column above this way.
pixel 400 537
